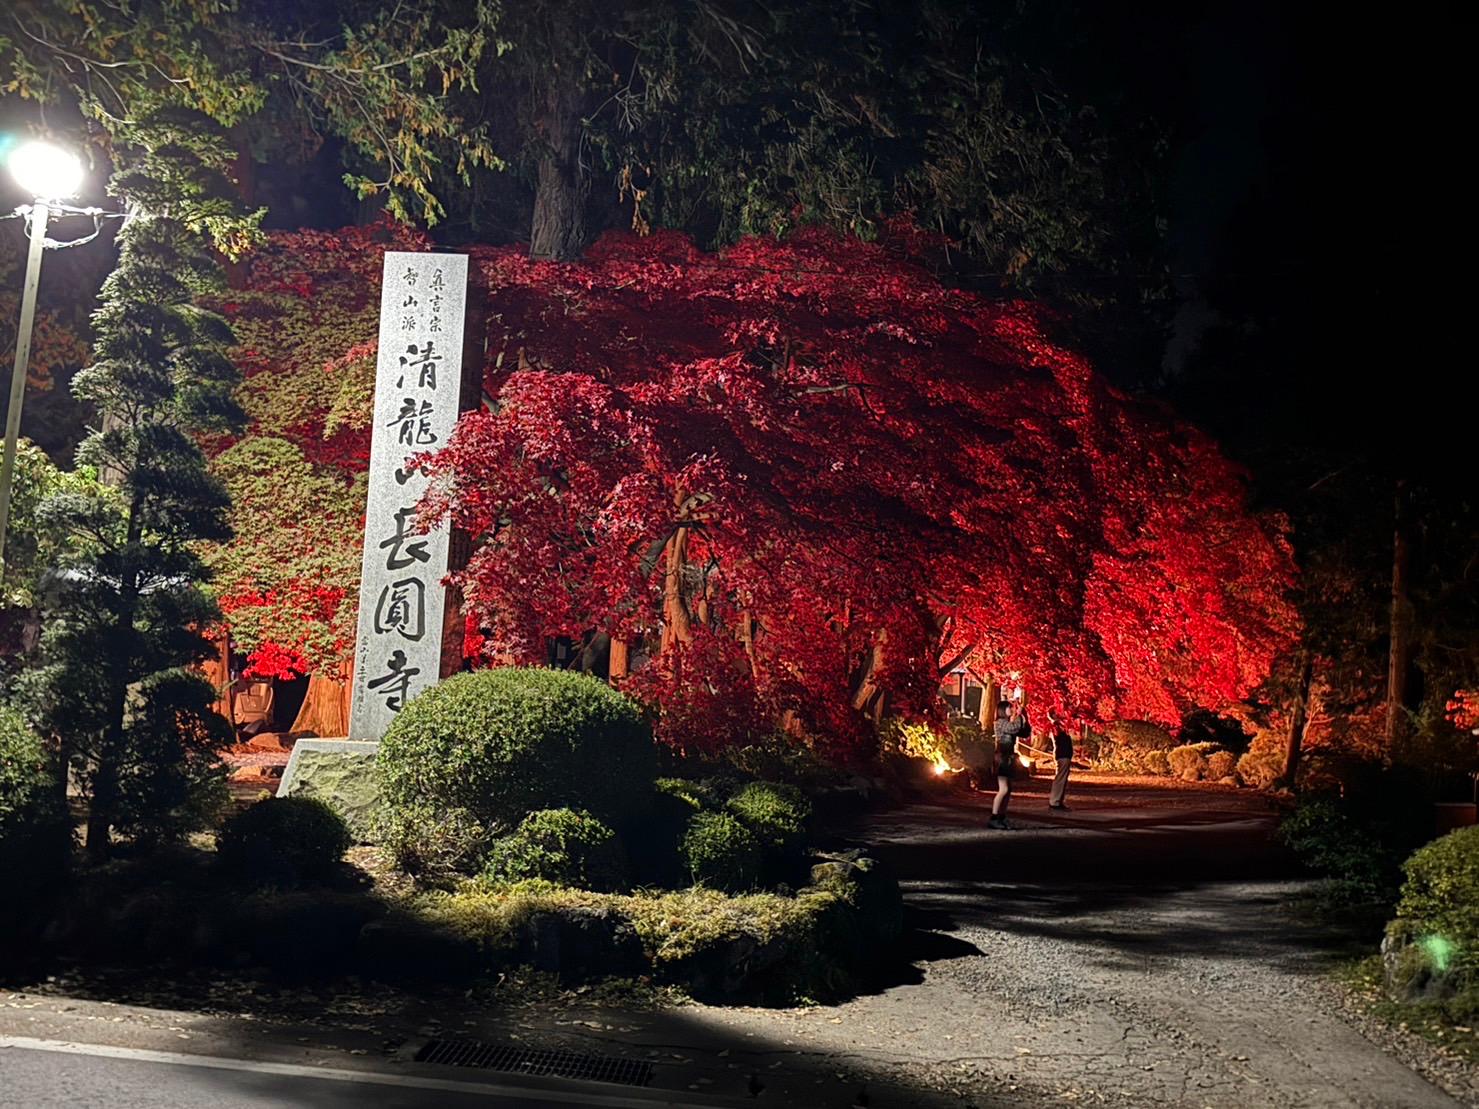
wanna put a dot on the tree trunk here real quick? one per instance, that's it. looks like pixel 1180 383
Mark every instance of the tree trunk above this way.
pixel 618 666
pixel 105 781
pixel 1399 649
pixel 1298 716
pixel 676 626
pixel 557 231
pixel 325 708
pixel 867 696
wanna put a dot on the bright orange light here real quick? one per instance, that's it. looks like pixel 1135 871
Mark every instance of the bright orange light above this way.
pixel 941 766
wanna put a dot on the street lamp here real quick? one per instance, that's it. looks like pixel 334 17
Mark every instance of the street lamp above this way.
pixel 49 173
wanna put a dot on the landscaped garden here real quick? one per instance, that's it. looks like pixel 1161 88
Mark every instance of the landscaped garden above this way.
pixel 524 824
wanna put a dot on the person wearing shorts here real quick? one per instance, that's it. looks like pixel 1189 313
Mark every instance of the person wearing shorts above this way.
pixel 1011 726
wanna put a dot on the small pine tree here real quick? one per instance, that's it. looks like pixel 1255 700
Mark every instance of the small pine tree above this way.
pixel 126 618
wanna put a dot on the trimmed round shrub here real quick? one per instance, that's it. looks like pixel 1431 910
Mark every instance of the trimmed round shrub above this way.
pixel 1441 896
pixel 563 846
pixel 1189 762
pixel 777 814
pixel 1140 735
pixel 721 852
pixel 34 838
pixel 1156 762
pixel 284 839
pixel 497 744
pixel 1220 765
pixel 654 838
pixel 1337 844
pixel 1260 767
pixel 1431 949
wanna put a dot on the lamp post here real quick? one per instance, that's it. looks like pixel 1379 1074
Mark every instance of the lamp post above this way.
pixel 49 173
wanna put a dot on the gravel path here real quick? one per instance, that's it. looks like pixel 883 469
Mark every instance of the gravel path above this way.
pixel 1135 952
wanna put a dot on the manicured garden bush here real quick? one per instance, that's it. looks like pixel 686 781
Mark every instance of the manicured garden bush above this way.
pixel 1333 841
pixel 1260 767
pixel 776 814
pixel 1187 763
pixel 697 794
pixel 722 853
pixel 1155 762
pixel 284 839
pixel 34 838
pixel 1432 947
pixel 559 845
pixel 1220 765
pixel 783 758
pixel 1140 735
pixel 490 746
pixel 1191 762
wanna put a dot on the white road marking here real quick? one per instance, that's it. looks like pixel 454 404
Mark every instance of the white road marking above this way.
pixel 338 1074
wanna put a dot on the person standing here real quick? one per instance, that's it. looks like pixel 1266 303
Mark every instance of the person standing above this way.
pixel 1011 726
pixel 1063 762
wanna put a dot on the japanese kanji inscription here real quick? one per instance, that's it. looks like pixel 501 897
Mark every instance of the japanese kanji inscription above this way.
pixel 417 381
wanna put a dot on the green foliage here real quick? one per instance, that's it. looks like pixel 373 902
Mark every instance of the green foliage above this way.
pixel 494 745
pixel 722 853
pixel 31 550
pixel 697 794
pixel 559 845
pixel 285 76
pixel 129 609
pixel 653 837
pixel 434 843
pixel 1440 898
pixel 298 552
pixel 172 781
pixel 283 839
pixel 776 814
pixel 34 839
pixel 1331 839
pixel 782 758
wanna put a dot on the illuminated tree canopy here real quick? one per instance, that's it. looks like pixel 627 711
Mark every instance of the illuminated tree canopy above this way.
pixel 790 480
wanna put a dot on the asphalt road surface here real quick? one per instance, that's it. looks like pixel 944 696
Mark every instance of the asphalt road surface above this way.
pixel 75 1076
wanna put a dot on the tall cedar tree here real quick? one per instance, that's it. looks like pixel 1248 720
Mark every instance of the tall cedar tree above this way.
pixel 125 622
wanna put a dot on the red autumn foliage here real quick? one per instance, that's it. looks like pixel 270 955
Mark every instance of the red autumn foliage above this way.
pixel 1463 710
pixel 796 477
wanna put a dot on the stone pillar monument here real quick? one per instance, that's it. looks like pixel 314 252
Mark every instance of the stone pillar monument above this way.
pixel 418 384
pixel 403 605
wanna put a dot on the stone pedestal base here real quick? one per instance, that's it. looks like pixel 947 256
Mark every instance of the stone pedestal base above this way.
pixel 340 772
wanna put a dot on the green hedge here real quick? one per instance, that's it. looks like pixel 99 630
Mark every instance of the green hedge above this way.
pixel 722 853
pixel 776 814
pixel 559 845
pixel 1440 899
pixel 283 840
pixel 483 749
pixel 35 842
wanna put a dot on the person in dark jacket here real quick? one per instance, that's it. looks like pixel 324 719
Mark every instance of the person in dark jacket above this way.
pixel 1063 760
pixel 1011 726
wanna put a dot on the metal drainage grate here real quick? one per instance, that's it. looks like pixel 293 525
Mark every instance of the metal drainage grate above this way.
pixel 523 1060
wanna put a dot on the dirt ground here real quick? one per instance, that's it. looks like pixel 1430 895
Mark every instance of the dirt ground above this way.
pixel 1136 951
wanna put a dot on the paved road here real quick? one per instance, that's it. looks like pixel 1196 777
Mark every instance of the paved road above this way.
pixel 55 1075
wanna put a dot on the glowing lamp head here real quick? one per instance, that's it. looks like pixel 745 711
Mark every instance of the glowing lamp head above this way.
pixel 45 171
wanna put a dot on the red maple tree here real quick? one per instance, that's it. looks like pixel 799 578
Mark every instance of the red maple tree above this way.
pixel 780 486
pixel 793 480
